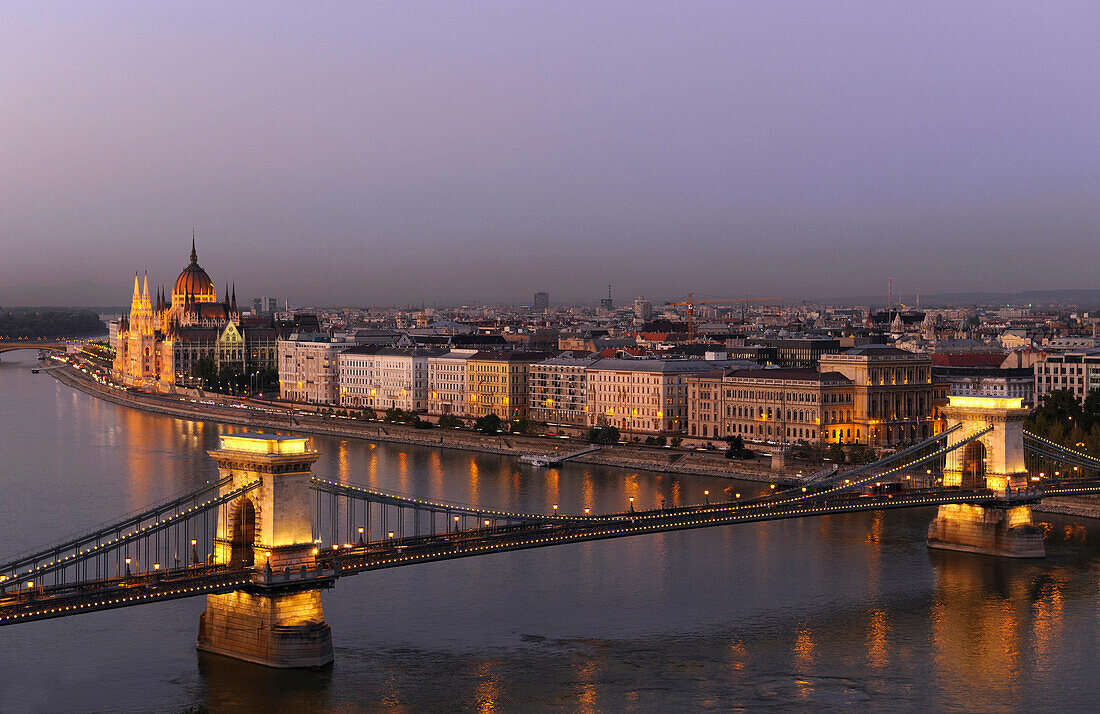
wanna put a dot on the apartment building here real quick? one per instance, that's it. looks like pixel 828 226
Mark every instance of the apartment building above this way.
pixel 447 382
pixel 1076 372
pixel 558 391
pixel 385 378
pixel 642 396
pixel 308 367
pixel 496 383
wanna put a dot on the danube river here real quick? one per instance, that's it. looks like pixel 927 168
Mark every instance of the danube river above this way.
pixel 840 613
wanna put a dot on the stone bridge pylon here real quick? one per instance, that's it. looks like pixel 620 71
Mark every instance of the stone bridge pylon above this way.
pixel 277 619
pixel 994 461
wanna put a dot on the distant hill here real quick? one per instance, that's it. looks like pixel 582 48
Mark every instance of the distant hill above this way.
pixel 1085 299
pixel 108 298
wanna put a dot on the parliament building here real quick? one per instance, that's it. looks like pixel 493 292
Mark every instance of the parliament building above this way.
pixel 163 338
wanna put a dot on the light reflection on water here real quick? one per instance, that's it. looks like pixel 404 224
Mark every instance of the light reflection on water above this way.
pixel 818 614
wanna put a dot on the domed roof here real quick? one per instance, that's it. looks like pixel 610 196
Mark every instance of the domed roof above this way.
pixel 194 280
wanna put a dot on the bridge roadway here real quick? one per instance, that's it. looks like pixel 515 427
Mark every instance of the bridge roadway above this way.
pixel 46 602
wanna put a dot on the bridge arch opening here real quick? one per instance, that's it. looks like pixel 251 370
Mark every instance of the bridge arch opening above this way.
pixel 244 535
pixel 973 465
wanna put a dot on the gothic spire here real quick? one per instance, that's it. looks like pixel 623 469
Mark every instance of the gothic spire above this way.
pixel 194 255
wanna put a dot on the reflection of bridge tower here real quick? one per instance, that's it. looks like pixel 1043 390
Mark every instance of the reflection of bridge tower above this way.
pixel 277 619
pixel 994 461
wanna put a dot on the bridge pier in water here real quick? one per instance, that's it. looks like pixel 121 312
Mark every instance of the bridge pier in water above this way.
pixel 995 461
pixel 277 619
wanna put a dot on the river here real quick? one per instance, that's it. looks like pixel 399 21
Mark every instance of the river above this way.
pixel 842 612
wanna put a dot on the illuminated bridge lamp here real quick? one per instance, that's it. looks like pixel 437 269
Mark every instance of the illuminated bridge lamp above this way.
pixel 706 497
pixel 360 535
pixel 555 508
pixel 587 511
pixel 390 534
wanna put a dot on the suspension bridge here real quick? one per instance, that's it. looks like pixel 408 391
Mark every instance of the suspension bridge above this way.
pixel 268 536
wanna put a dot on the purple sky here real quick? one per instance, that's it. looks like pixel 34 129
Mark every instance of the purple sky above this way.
pixel 385 152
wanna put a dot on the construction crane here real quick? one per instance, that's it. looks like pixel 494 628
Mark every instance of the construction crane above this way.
pixel 691 302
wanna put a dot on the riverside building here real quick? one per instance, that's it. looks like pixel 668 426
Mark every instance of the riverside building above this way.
pixel 893 393
pixel 385 377
pixel 161 341
pixel 558 390
pixel 783 405
pixel 641 396
pixel 308 367
pixel 447 382
pixel 497 383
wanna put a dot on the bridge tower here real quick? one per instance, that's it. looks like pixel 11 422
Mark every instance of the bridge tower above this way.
pixel 994 461
pixel 277 620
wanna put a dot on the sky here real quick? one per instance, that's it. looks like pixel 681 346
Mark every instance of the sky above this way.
pixel 449 152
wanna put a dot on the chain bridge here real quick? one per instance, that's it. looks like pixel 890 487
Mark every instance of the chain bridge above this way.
pixel 264 540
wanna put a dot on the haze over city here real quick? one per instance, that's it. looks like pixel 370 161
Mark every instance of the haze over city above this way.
pixel 449 152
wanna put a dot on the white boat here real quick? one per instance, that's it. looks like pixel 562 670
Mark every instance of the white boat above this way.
pixel 535 460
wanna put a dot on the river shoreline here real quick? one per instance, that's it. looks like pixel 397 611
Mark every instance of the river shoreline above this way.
pixel 619 455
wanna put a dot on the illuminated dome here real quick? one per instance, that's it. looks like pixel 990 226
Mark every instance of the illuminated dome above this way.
pixel 195 282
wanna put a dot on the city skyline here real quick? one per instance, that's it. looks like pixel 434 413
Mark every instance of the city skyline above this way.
pixel 390 155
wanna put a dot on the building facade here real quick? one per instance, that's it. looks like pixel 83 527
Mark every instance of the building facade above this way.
pixel 162 340
pixel 641 396
pixel 558 390
pixel 308 367
pixel 385 378
pixel 497 383
pixel 1075 372
pixel 447 382
pixel 893 392
pixel 777 405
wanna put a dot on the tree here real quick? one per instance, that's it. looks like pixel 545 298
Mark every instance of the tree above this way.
pixel 736 448
pixel 207 372
pixel 861 454
pixel 450 421
pixel 835 453
pixel 488 424
pixel 603 435
pixel 1091 409
pixel 675 442
pixel 1059 416
pixel 523 425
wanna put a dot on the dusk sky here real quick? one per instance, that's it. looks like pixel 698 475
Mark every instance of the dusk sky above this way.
pixel 390 152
